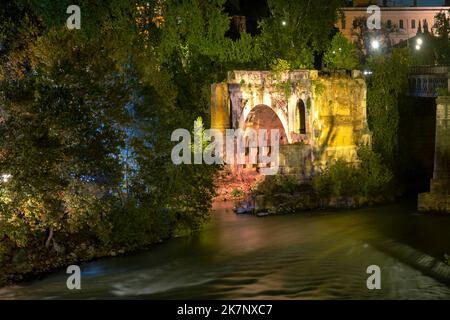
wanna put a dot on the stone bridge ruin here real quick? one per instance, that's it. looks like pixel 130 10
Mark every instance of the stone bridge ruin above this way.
pixel 320 118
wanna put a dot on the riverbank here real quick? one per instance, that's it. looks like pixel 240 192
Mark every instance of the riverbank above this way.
pixel 318 255
pixel 236 185
pixel 285 203
pixel 35 262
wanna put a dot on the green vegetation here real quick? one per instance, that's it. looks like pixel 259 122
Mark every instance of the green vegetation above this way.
pixel 86 122
pixel 442 43
pixel 369 179
pixel 340 184
pixel 297 30
pixel 342 54
pixel 385 87
pixel 86 117
pixel 443 92
pixel 237 193
pixel 272 185
pixel 279 66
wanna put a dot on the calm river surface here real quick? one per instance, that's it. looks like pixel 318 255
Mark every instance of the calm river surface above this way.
pixel 306 256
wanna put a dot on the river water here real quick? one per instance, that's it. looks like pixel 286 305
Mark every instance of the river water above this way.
pixel 318 255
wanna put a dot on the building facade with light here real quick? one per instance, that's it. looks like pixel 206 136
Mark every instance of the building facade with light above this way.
pixel 402 23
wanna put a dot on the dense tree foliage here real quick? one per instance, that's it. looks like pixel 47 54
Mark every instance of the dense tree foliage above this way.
pixel 86 116
pixel 442 43
pixel 298 29
pixel 387 84
pixel 371 179
pixel 86 123
pixel 342 54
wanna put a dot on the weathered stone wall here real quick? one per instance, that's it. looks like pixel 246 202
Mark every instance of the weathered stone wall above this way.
pixel 295 159
pixel 339 118
pixel 280 92
pixel 332 108
pixel 220 106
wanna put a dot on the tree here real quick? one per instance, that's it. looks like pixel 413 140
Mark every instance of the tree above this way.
pixel 341 54
pixel 297 30
pixel 86 122
pixel 62 136
pixel 442 43
pixel 388 82
pixel 364 37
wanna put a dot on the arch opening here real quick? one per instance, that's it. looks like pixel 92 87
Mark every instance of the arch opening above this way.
pixel 263 117
pixel 301 117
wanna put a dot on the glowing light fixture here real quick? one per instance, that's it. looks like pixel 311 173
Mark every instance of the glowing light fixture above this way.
pixel 5 178
pixel 375 44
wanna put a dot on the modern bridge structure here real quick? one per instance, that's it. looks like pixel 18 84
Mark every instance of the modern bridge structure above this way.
pixel 434 81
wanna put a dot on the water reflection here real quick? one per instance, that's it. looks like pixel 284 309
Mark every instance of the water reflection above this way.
pixel 305 256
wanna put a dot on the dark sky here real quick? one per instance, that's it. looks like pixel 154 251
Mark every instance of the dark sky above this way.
pixel 255 10
pixel 251 9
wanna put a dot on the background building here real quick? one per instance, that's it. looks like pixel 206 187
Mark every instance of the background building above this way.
pixel 402 23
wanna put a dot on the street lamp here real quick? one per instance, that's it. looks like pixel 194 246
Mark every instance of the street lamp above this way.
pixel 5 178
pixel 419 43
pixel 283 23
pixel 375 44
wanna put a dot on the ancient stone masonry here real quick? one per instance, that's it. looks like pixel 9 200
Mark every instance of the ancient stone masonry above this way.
pixel 438 199
pixel 321 118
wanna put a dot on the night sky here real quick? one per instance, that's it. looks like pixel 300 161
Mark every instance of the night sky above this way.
pixel 255 10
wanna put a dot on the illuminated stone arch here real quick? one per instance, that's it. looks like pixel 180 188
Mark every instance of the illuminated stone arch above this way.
pixel 330 106
pixel 265 117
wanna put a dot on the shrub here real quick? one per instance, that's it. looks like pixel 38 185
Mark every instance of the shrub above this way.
pixel 370 178
pixel 279 65
pixel 237 193
pixel 278 184
pixel 375 177
pixel 337 180
pixel 342 54
pixel 133 227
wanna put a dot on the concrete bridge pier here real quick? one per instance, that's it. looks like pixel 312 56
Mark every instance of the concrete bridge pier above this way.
pixel 438 199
